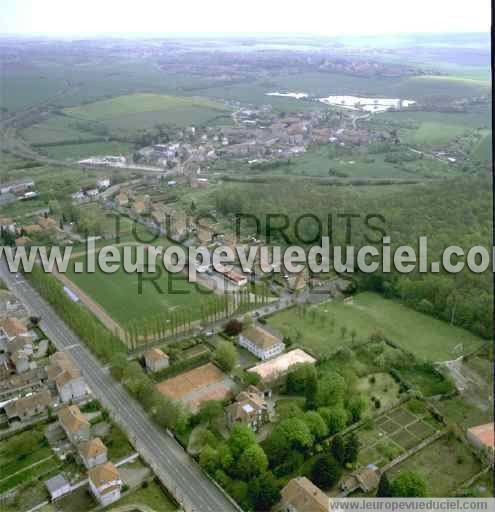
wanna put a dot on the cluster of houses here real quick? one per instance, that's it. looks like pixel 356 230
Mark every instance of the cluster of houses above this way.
pixel 31 381
pixel 20 190
pixel 89 193
pixel 103 477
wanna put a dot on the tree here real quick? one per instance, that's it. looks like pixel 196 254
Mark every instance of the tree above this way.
pixel 409 485
pixel 288 435
pixel 335 418
pixel 240 439
pixel 264 492
pixel 316 424
pixel 356 406
pixel 232 327
pixel 117 365
pixel 331 389
pixel 326 471
pixel 252 462
pixel 301 377
pixel 353 335
pixel 351 448
pixel 209 459
pixel 337 449
pixel 210 410
pixel 343 331
pixel 384 487
pixel 226 356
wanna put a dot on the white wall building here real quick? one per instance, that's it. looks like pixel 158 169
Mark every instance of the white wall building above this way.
pixel 260 342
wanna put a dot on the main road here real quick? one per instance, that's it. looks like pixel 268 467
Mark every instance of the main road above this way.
pixel 172 465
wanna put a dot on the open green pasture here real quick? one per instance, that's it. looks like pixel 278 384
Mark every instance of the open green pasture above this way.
pixel 426 337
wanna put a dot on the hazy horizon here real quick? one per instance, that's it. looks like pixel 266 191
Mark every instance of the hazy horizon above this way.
pixel 317 18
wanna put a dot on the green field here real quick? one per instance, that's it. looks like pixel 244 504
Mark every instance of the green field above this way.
pixel 445 465
pixel 318 161
pixel 426 337
pixel 144 110
pixel 435 128
pixel 86 150
pixel 119 296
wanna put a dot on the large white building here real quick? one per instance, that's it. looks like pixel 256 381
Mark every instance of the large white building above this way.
pixel 260 342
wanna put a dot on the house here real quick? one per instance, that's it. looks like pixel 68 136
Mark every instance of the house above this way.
pixel 142 205
pixel 65 377
pixel 74 424
pixel 57 486
pixel 28 406
pixel 260 342
pixel 302 495
pixel 122 199
pixel 20 359
pixel 235 277
pixel 365 479
pixel 155 360
pixel 12 327
pixel 105 483
pixel 250 409
pixel 103 183
pixel 483 438
pixel 93 452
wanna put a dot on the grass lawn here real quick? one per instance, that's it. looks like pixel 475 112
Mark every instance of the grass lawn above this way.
pixel 445 465
pixel 117 443
pixel 144 110
pixel 16 469
pixel 381 386
pixel 428 382
pixel 152 496
pixel 426 337
pixel 119 295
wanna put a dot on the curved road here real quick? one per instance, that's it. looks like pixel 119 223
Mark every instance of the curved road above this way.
pixel 177 471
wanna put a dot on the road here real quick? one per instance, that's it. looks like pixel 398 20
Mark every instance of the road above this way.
pixel 177 471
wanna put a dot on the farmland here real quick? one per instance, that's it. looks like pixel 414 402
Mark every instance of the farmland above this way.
pixel 145 110
pixel 426 337
pixel 435 128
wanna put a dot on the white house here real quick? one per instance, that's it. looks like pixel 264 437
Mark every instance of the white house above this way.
pixel 74 424
pixel 260 342
pixel 57 486
pixel 103 183
pixel 155 360
pixel 93 452
pixel 105 483
pixel 64 375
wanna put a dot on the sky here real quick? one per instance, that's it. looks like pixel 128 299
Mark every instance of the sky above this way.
pixel 322 17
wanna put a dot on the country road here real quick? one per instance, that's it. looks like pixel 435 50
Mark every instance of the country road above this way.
pixel 176 470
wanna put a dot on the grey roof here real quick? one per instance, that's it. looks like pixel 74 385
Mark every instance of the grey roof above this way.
pixel 55 483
